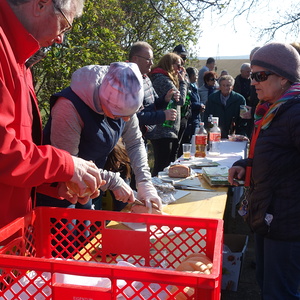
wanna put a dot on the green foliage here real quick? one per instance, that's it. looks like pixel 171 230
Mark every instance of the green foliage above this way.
pixel 105 33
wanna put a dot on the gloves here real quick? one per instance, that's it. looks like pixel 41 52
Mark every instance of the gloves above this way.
pixel 147 192
pixel 124 193
pixel 115 183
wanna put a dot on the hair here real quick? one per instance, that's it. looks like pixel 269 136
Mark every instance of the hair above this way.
pixel 296 45
pixel 224 72
pixel 118 161
pixel 226 77
pixel 137 47
pixel 210 60
pixel 70 5
pixel 245 66
pixel 65 5
pixel 209 74
pixel 191 71
pixel 166 63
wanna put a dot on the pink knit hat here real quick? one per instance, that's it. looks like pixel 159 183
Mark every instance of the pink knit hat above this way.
pixel 121 90
pixel 282 59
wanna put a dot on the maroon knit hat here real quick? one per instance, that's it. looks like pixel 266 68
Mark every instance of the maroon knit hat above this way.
pixel 282 59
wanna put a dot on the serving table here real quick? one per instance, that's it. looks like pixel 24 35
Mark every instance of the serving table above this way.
pixel 211 204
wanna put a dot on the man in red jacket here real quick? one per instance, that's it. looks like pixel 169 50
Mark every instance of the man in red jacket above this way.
pixel 25 27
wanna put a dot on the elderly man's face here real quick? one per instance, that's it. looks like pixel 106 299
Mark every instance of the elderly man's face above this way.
pixel 226 87
pixel 246 72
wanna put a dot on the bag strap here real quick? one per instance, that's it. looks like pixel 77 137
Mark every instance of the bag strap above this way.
pixel 251 154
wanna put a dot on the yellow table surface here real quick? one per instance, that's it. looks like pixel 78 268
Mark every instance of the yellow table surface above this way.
pixel 200 204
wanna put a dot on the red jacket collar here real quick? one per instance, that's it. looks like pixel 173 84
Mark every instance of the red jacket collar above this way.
pixel 159 71
pixel 22 43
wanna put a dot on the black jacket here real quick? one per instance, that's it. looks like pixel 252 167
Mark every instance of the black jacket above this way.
pixel 275 181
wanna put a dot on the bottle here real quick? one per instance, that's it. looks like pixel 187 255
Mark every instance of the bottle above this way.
pixel 185 109
pixel 232 128
pixel 172 104
pixel 210 125
pixel 193 149
pixel 201 141
pixel 215 138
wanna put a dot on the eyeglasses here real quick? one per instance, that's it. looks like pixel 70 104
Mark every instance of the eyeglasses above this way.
pixel 212 79
pixel 261 76
pixel 66 19
pixel 148 60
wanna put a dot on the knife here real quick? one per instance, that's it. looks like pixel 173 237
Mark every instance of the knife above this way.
pixel 194 188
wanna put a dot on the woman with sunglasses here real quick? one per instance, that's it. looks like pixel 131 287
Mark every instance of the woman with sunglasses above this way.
pixel 271 203
pixel 210 86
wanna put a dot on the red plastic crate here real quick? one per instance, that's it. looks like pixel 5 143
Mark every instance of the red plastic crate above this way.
pixel 38 248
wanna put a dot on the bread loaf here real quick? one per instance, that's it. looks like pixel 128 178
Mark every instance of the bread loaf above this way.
pixel 142 209
pixel 179 171
pixel 196 263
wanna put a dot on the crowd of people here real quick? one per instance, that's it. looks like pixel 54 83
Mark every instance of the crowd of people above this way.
pixel 100 126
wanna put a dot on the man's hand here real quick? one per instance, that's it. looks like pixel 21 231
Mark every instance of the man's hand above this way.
pixel 64 192
pixel 86 178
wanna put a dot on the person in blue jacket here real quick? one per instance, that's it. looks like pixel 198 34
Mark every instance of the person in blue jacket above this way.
pixel 153 112
pixel 196 108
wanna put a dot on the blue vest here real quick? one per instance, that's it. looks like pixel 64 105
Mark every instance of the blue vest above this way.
pixel 99 134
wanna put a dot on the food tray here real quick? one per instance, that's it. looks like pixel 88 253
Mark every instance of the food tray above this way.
pixel 40 248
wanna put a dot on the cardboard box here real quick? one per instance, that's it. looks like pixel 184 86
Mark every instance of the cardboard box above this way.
pixel 233 255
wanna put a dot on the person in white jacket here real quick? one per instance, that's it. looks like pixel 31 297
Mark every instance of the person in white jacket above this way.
pixel 88 118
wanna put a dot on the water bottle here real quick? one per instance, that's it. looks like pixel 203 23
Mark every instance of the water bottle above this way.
pixel 215 139
pixel 210 125
pixel 172 104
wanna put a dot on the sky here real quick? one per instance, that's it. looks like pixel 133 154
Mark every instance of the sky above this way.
pixel 223 37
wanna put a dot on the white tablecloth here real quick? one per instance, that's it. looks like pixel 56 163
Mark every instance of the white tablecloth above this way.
pixel 230 152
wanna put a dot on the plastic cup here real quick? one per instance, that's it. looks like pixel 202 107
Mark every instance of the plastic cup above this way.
pixel 186 149
pixel 243 109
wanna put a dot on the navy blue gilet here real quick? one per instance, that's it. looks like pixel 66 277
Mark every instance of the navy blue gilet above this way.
pixel 99 134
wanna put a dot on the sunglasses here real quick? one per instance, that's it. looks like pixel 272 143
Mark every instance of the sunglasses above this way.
pixel 261 76
pixel 212 79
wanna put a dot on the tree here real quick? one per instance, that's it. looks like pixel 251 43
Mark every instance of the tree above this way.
pixel 106 31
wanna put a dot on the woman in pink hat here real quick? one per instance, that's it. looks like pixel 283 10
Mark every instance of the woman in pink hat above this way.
pixel 88 119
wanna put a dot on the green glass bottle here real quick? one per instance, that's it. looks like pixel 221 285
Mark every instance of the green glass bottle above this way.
pixel 172 104
pixel 186 106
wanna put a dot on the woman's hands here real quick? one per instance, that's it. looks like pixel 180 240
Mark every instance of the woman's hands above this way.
pixel 236 173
